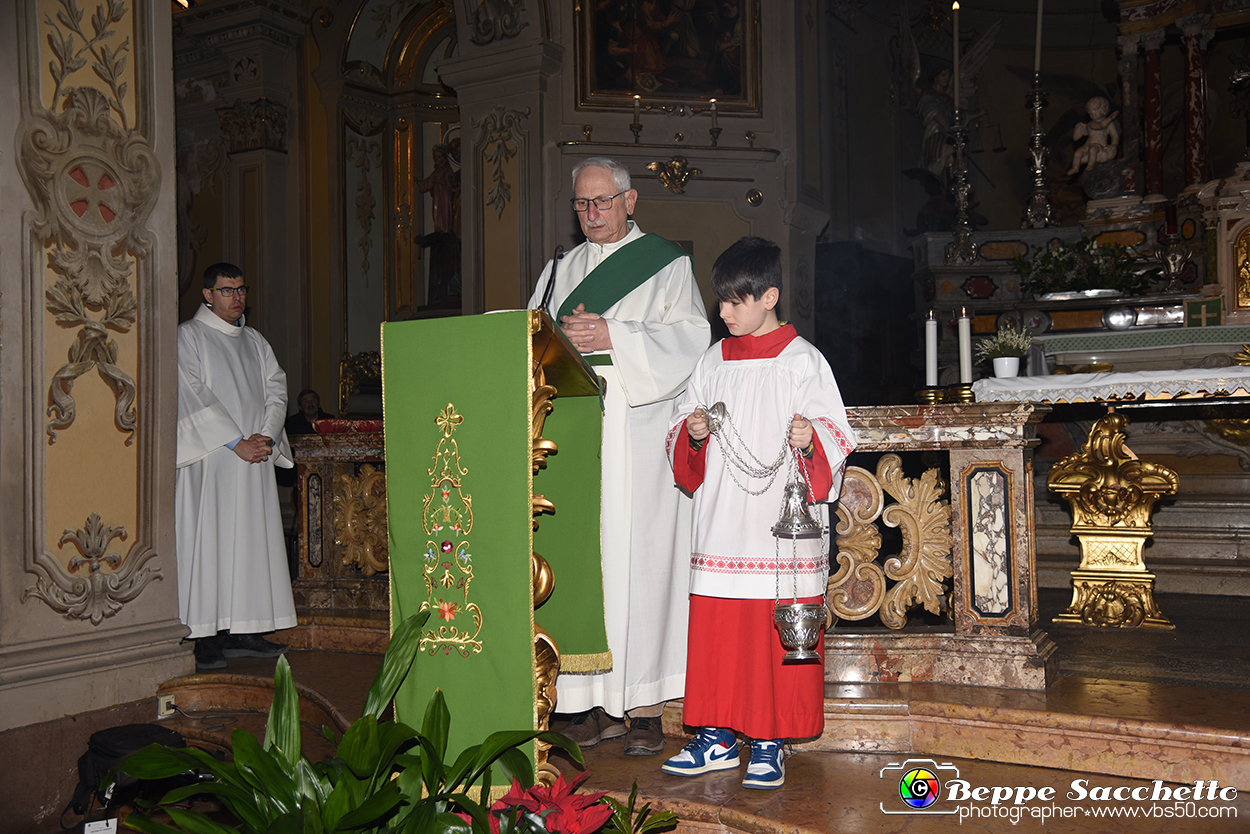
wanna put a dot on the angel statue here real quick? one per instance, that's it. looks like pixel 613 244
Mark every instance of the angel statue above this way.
pixel 1101 135
pixel 934 106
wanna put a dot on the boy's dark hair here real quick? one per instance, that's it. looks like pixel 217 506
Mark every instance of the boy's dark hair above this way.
pixel 221 270
pixel 748 268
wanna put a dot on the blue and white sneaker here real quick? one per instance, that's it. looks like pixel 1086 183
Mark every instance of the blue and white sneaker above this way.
pixel 767 768
pixel 712 749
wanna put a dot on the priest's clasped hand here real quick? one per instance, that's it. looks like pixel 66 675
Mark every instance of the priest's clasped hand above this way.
pixel 254 449
pixel 587 331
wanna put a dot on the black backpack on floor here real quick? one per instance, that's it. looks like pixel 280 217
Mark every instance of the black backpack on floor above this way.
pixel 105 749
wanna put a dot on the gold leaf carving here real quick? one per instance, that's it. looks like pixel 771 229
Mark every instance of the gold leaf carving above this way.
pixel 858 589
pixel 360 519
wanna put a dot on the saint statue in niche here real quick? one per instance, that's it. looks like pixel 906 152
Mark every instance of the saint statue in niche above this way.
pixel 443 244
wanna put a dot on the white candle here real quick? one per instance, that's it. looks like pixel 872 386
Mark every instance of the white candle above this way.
pixel 713 114
pixel 637 102
pixel 930 350
pixel 955 70
pixel 965 347
pixel 1037 41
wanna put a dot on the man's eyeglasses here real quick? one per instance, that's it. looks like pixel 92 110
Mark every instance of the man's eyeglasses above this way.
pixel 580 204
pixel 231 292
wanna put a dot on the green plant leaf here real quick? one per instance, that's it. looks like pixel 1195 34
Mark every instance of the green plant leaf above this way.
pixel 262 772
pixel 437 723
pixel 282 730
pixel 376 805
pixel 400 653
pixel 193 822
pixel 158 762
pixel 139 822
pixel 359 748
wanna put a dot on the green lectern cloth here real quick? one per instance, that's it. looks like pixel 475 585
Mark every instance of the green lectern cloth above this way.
pixel 457 408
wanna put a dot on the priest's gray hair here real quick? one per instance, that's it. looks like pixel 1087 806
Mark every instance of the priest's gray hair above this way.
pixel 620 174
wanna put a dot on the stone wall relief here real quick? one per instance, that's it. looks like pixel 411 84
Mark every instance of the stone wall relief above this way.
pixel 495 19
pixel 498 133
pixel 93 181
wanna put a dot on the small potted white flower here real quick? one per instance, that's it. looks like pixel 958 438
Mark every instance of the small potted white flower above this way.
pixel 1005 349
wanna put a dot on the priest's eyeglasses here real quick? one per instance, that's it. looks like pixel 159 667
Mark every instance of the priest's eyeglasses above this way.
pixel 580 204
pixel 231 292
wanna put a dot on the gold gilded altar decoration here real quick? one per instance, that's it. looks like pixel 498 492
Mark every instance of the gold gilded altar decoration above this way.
pixel 447 515
pixel 360 519
pixel 1111 493
pixel 920 569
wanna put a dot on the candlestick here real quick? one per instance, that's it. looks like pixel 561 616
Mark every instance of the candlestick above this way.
pixel 713 114
pixel 930 350
pixel 955 70
pixel 965 347
pixel 637 103
pixel 1037 41
pixel 1169 218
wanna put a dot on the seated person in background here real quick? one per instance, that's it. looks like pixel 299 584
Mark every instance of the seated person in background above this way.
pixel 309 404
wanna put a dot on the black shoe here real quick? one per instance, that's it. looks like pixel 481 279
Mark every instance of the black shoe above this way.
pixel 589 728
pixel 645 737
pixel 208 653
pixel 251 645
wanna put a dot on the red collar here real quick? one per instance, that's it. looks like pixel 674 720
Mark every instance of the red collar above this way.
pixel 768 346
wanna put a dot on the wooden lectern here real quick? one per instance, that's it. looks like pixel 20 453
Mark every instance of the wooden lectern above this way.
pixel 473 408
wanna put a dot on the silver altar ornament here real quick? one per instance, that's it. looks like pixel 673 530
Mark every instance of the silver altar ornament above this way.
pixel 799 624
pixel 716 416
pixel 796 522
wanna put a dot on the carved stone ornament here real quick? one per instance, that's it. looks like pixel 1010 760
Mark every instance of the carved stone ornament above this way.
pixel 920 569
pixel 360 520
pixel 100 593
pixel 497 137
pixel 254 125
pixel 674 173
pixel 93 184
pixel 495 19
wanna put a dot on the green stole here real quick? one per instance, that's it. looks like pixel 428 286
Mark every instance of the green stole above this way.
pixel 622 272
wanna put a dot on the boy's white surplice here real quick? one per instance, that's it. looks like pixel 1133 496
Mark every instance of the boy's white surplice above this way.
pixel 734 552
pixel 232 567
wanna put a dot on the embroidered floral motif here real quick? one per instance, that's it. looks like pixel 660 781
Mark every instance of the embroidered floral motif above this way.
pixel 448 563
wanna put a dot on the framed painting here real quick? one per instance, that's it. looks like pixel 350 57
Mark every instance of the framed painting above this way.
pixel 669 53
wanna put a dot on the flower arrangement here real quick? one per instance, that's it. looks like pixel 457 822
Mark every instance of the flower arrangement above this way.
pixel 1008 341
pixel 1084 265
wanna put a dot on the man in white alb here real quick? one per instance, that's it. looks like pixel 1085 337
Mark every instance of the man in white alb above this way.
pixel 629 300
pixel 233 580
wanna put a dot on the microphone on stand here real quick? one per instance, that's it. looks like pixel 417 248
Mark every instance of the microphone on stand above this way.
pixel 551 280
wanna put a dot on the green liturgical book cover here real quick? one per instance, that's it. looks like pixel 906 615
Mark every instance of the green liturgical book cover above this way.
pixel 458 409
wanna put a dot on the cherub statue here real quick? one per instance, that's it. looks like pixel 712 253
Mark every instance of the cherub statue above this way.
pixel 1101 134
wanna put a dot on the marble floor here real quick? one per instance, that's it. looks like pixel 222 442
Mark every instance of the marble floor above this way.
pixel 1129 708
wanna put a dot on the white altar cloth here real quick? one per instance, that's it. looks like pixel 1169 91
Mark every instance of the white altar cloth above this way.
pixel 1189 383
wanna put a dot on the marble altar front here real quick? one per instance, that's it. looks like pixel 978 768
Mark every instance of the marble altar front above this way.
pixel 967 555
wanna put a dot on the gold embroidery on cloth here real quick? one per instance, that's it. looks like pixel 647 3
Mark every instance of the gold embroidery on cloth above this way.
pixel 448 569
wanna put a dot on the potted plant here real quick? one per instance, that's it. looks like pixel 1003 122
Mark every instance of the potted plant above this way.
pixel 1083 269
pixel 1005 348
pixel 384 777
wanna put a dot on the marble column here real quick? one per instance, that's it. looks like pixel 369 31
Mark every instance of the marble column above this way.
pixel 1129 119
pixel 1196 36
pixel 1152 42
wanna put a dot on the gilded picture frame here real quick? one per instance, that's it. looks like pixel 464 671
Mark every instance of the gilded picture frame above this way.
pixel 668 53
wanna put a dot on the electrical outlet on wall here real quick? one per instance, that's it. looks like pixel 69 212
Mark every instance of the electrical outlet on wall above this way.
pixel 165 705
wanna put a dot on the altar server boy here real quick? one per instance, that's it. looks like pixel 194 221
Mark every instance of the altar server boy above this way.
pixel 781 402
